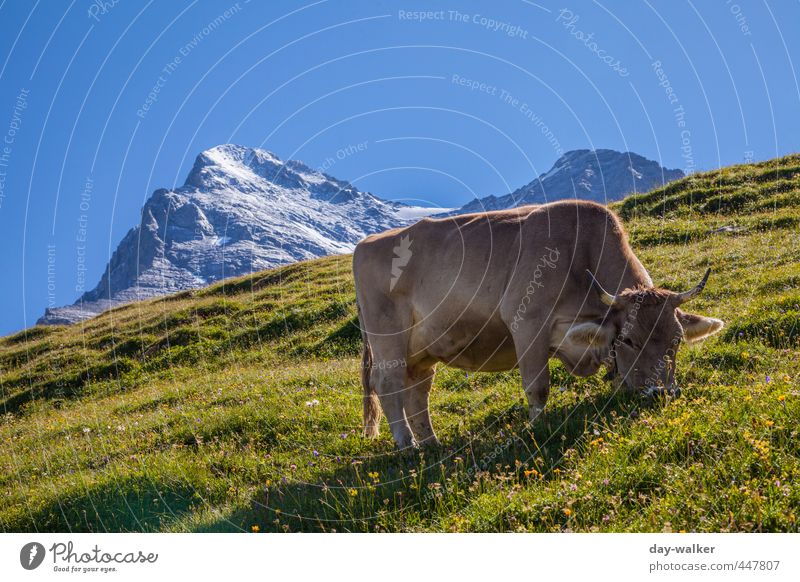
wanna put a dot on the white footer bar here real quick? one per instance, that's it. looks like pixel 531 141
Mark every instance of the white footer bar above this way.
pixel 407 557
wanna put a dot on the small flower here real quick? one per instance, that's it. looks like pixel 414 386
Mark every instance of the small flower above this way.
pixel 745 355
pixel 314 402
pixel 352 492
pixel 86 430
pixel 573 487
pixel 315 453
pixel 769 422
pixel 768 379
pixel 255 529
pixel 786 378
pixel 781 398
pixel 567 511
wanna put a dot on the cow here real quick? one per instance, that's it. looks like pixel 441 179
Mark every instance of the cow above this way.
pixel 508 289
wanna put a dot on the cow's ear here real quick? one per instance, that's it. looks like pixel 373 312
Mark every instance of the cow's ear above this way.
pixel 698 327
pixel 589 335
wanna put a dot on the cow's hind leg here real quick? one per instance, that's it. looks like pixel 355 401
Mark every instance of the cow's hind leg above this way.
pixel 418 388
pixel 385 326
pixel 390 386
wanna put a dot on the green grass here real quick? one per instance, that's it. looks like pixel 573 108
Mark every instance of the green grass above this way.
pixel 239 405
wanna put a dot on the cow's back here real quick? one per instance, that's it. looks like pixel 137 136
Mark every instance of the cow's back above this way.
pixel 456 283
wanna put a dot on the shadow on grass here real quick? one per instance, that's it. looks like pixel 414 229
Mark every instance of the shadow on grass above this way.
pixel 134 504
pixel 404 490
pixel 386 491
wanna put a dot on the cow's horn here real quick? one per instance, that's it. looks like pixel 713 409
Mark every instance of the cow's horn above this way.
pixel 605 296
pixel 692 293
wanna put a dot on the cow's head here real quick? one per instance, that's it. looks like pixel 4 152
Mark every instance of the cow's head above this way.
pixel 639 337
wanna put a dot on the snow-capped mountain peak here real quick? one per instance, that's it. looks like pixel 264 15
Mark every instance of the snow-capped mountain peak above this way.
pixel 240 210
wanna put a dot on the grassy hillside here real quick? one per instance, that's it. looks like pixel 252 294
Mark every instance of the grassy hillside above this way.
pixel 237 407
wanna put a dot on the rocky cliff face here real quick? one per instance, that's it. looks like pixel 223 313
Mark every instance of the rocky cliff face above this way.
pixel 599 175
pixel 240 210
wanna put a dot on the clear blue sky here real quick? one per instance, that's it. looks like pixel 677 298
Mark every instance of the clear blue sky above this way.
pixel 313 80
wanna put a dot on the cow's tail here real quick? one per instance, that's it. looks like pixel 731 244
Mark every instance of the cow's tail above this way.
pixel 372 406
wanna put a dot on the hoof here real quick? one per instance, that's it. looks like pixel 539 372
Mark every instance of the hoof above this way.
pixel 405 445
pixel 534 412
pixel 430 443
pixel 660 392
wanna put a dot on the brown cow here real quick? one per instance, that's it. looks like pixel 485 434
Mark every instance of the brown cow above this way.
pixel 499 290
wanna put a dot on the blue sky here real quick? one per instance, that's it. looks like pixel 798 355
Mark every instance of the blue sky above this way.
pixel 102 103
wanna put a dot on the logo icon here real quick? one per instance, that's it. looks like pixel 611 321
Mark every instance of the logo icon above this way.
pixel 402 254
pixel 31 555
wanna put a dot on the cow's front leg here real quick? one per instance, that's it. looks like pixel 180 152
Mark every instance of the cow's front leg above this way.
pixel 532 357
pixel 536 383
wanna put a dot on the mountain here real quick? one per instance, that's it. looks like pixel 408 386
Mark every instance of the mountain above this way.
pixel 240 210
pixel 599 175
